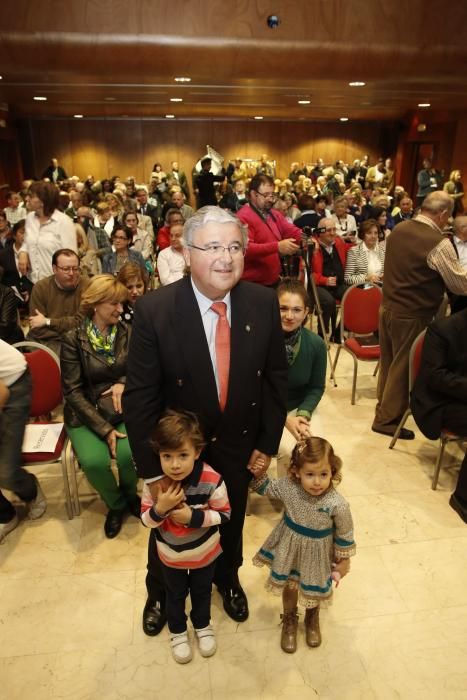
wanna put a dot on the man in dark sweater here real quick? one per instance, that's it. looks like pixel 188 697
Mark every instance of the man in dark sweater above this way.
pixel 205 192
pixel 420 262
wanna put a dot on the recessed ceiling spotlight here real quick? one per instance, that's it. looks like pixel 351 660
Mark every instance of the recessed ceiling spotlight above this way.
pixel 182 79
pixel 357 83
pixel 170 116
pixel 40 99
pixel 304 102
pixel 344 119
pixel 258 118
pixel 424 104
pixel 1 77
pixel 78 116
pixel 176 99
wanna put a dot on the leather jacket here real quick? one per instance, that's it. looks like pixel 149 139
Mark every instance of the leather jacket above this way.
pixel 86 375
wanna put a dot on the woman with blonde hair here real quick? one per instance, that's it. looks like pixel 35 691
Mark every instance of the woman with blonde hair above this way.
pixel 93 363
pixel 455 190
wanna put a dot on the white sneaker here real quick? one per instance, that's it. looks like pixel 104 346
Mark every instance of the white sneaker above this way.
pixel 181 649
pixel 206 641
pixel 5 528
pixel 38 506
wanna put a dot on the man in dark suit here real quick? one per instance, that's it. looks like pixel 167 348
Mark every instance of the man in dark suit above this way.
pixel 146 209
pixel 172 364
pixel 54 172
pixel 439 396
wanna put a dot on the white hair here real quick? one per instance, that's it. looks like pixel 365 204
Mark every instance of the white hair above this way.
pixel 215 215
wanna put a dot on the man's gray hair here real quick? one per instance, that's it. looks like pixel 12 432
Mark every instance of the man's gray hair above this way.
pixel 208 215
pixel 460 222
pixel 437 202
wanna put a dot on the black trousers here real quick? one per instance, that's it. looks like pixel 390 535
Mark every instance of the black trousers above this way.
pixel 180 582
pixel 327 298
pixel 455 419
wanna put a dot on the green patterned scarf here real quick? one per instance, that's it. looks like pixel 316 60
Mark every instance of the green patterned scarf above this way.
pixel 102 344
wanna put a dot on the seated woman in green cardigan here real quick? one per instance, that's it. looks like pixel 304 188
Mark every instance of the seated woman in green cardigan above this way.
pixel 306 357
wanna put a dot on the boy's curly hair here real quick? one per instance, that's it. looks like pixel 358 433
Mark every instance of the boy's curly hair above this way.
pixel 314 450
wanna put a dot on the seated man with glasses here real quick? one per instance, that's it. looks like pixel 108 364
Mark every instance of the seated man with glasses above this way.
pixel 328 266
pixel 55 300
pixel 270 235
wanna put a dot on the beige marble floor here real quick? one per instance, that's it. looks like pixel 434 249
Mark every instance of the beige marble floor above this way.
pixel 71 601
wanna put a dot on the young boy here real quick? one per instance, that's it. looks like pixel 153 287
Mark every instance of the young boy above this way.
pixel 186 516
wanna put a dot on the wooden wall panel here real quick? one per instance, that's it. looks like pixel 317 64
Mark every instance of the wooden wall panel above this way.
pixel 459 158
pixel 118 147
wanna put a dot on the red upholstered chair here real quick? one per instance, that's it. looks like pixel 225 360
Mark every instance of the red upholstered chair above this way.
pixel 44 367
pixel 415 358
pixel 359 318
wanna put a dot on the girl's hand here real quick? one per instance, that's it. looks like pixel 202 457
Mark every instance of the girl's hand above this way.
pixel 111 439
pixel 170 498
pixel 181 515
pixel 343 567
pixel 299 426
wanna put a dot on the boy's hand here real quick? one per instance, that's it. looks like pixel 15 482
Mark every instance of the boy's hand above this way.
pixel 166 500
pixel 181 515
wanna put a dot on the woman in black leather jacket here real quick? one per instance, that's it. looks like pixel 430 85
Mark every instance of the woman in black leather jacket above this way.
pixel 93 362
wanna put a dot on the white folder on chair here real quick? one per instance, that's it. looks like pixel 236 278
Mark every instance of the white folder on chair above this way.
pixel 41 437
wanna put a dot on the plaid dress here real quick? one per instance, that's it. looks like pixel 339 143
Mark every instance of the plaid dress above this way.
pixel 314 532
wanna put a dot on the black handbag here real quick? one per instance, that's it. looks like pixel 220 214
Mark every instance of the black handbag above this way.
pixel 105 406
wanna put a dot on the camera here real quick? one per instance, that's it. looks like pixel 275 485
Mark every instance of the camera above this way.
pixel 273 21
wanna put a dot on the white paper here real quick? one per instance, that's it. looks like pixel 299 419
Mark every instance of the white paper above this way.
pixel 41 437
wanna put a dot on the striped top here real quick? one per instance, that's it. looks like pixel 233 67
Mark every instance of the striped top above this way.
pixel 197 544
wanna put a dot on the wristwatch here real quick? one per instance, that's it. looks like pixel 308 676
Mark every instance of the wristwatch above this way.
pixel 47 321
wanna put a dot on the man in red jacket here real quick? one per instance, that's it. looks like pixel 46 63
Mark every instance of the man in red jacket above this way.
pixel 328 266
pixel 269 233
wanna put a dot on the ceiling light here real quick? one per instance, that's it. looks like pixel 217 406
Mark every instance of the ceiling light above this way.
pixel 78 116
pixel 182 80
pixel 304 102
pixel 176 99
pixel 344 119
pixel 40 99
pixel 357 83
pixel 170 116
pixel 424 104
pixel 1 77
pixel 258 118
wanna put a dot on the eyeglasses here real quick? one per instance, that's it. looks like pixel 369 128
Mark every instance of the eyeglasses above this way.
pixel 267 195
pixel 68 268
pixel 295 310
pixel 215 250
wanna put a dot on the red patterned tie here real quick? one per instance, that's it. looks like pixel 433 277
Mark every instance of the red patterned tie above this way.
pixel 222 350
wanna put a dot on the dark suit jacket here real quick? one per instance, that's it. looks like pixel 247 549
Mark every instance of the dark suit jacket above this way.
pixel 169 366
pixel 11 276
pixel 443 374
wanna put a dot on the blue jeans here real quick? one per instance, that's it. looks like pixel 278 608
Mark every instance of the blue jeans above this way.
pixel 13 421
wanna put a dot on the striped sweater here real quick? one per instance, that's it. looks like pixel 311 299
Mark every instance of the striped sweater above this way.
pixel 197 544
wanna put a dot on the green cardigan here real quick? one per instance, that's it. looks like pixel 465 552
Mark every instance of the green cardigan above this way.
pixel 307 375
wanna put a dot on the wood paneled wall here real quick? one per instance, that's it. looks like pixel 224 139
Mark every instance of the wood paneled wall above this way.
pixel 130 147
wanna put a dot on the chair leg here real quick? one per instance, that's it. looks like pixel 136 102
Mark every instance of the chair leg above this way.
pixel 66 483
pixel 376 369
pixel 399 428
pixel 354 381
pixel 336 357
pixel 442 444
pixel 72 476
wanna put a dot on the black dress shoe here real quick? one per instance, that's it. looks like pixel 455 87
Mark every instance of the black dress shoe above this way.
pixel 134 507
pixel 460 509
pixel 235 603
pixel 403 435
pixel 113 523
pixel 154 617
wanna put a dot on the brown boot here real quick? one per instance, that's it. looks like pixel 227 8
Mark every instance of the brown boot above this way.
pixel 289 631
pixel 312 631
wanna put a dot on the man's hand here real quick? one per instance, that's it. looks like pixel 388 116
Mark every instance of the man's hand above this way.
pixel 171 498
pixel 111 439
pixel 299 426
pixel 331 281
pixel 258 463
pixel 181 515
pixel 38 320
pixel 288 246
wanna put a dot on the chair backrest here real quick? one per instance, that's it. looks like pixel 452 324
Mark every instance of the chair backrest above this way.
pixel 46 379
pixel 360 309
pixel 415 358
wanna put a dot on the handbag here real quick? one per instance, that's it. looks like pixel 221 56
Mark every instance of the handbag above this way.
pixel 105 406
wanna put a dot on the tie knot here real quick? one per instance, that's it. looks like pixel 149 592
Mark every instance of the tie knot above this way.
pixel 220 307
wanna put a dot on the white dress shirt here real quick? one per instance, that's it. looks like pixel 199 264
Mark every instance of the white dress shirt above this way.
pixel 42 240
pixel 461 247
pixel 170 265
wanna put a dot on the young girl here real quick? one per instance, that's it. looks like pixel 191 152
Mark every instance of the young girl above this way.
pixel 312 544
pixel 189 507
